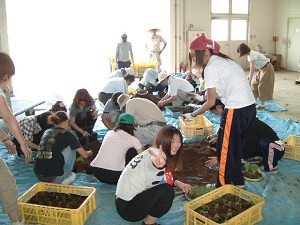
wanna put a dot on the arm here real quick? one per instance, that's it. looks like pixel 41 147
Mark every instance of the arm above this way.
pixel 8 143
pixel 211 99
pixel 14 127
pixel 165 44
pixel 131 54
pixel 105 120
pixel 95 111
pixel 76 127
pixel 186 188
pixel 252 70
pixel 83 153
pixel 166 100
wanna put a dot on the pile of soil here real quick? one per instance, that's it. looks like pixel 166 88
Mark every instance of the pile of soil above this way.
pixel 57 199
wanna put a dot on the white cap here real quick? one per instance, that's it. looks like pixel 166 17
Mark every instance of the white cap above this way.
pixel 130 71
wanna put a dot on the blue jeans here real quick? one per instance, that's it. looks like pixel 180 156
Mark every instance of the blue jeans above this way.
pixel 69 156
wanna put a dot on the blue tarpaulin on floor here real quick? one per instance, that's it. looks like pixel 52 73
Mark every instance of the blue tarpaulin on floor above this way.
pixel 281 191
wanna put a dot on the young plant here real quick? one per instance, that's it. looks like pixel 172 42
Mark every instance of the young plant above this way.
pixel 198 191
pixel 251 167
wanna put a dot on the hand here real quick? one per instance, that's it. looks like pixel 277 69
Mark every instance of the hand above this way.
pixel 158 160
pixel 10 147
pixel 90 153
pixel 213 161
pixel 27 153
pixel 186 188
pixel 212 139
pixel 188 116
pixel 160 103
pixel 85 133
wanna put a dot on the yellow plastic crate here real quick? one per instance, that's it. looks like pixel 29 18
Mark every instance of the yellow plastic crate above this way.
pixel 248 217
pixel 200 126
pixel 292 147
pixel 140 67
pixel 55 215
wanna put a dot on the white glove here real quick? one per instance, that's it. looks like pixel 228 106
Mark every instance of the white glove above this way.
pixel 188 116
pixel 200 98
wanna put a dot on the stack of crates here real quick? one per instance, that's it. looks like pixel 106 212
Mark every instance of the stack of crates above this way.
pixel 140 68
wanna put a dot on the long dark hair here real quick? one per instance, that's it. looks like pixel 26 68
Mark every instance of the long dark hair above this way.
pixel 164 138
pixel 7 66
pixel 129 128
pixel 200 57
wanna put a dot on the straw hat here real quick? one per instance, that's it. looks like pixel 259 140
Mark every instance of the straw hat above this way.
pixel 157 29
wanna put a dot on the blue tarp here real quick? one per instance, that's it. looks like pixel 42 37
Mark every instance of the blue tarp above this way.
pixel 281 191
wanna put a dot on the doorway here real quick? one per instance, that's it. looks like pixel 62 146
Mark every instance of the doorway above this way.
pixel 293 45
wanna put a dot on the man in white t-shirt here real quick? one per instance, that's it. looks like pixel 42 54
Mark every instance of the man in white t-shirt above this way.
pixel 147 116
pixel 179 90
pixel 124 48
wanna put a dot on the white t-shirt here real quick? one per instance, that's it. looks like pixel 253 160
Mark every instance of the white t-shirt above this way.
pixel 140 174
pixel 117 84
pixel 176 83
pixel 115 144
pixel 260 59
pixel 115 73
pixel 123 50
pixel 155 42
pixel 230 81
pixel 144 111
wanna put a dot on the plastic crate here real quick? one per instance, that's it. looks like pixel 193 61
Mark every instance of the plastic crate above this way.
pixel 140 67
pixel 200 126
pixel 248 217
pixel 55 215
pixel 292 147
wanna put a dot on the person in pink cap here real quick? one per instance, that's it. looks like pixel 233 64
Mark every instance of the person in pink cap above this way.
pixel 226 80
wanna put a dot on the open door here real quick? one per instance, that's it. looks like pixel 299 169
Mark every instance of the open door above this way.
pixel 293 46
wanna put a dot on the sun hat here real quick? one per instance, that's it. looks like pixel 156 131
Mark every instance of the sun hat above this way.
pixel 162 76
pixel 130 71
pixel 202 43
pixel 122 100
pixel 126 118
pixel 157 29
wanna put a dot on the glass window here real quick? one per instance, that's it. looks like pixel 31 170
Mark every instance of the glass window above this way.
pixel 220 6
pixel 238 30
pixel 219 29
pixel 240 6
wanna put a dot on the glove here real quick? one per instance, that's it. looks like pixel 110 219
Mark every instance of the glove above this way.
pixel 188 116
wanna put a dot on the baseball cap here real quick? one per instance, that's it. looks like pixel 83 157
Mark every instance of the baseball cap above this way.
pixel 162 76
pixel 202 43
pixel 122 100
pixel 126 118
pixel 130 71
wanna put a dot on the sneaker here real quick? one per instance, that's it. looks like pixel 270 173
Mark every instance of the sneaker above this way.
pixel 69 179
pixel 273 171
pixel 210 185
pixel 260 107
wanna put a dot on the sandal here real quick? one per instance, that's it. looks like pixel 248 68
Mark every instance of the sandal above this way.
pixel 260 107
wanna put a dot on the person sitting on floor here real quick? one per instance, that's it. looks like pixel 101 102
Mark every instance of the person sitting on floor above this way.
pixel 83 116
pixel 56 153
pixel 178 90
pixel 118 147
pixel 117 84
pixel 148 117
pixel 150 82
pixel 111 111
pixel 33 128
pixel 262 142
pixel 145 188
pixel 58 106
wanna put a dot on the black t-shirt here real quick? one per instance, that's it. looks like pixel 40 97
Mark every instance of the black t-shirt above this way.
pixel 258 131
pixel 49 160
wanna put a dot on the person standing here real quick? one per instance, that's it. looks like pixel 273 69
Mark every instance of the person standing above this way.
pixel 153 46
pixel 8 188
pixel 263 83
pixel 145 190
pixel 124 48
pixel 225 79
